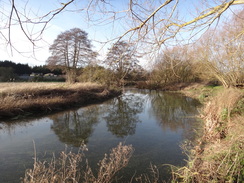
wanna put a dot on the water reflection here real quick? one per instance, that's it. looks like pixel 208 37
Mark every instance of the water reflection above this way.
pixel 171 111
pixel 121 114
pixel 156 123
pixel 75 127
pixel 174 111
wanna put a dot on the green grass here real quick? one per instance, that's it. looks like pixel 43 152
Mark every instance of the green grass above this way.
pixel 202 92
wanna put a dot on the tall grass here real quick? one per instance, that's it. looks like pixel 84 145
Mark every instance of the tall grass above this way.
pixel 22 94
pixel 73 167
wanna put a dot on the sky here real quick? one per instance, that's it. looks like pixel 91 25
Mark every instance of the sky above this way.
pixel 75 15
pixel 101 29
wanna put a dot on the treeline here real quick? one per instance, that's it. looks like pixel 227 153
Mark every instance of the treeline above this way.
pixel 108 76
pixel 216 57
pixel 11 71
pixel 20 69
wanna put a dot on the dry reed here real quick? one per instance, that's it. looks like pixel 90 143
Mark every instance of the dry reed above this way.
pixel 69 168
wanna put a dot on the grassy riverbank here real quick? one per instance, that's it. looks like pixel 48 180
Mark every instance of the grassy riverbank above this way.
pixel 218 155
pixel 19 100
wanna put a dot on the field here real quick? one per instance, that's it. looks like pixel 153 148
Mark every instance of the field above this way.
pixel 18 100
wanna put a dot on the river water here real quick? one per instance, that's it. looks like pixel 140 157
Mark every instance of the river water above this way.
pixel 155 123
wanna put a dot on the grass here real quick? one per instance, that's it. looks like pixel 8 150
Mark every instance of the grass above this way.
pixel 27 99
pixel 219 154
pixel 73 167
pixel 201 91
pixel 28 87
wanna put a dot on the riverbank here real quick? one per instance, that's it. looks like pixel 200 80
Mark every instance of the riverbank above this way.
pixel 218 155
pixel 19 100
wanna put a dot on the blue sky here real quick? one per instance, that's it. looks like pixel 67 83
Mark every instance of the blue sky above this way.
pixel 101 29
pixel 73 16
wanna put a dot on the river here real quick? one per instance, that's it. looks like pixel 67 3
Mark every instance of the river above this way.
pixel 155 123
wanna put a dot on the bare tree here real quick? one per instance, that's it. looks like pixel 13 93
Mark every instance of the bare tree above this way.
pixel 71 49
pixel 221 51
pixel 122 59
pixel 171 67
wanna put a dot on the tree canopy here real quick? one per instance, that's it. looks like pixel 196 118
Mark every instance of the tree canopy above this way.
pixel 71 49
pixel 18 69
pixel 122 59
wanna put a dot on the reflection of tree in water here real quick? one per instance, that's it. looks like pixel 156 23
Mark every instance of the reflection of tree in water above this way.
pixel 10 127
pixel 122 113
pixel 174 111
pixel 75 127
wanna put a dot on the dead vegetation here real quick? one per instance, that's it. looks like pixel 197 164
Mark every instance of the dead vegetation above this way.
pixel 217 113
pixel 219 154
pixel 73 167
pixel 27 99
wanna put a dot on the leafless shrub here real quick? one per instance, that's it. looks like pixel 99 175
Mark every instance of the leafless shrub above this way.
pixel 64 169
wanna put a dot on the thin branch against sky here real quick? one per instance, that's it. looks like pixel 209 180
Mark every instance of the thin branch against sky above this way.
pixel 151 23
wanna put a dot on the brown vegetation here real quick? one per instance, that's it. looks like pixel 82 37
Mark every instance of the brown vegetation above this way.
pixel 68 167
pixel 219 154
pixel 24 99
pixel 215 57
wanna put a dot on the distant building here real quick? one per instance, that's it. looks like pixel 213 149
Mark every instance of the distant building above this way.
pixel 36 74
pixel 50 75
pixel 24 77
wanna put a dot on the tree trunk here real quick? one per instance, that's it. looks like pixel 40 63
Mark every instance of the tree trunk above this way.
pixel 71 76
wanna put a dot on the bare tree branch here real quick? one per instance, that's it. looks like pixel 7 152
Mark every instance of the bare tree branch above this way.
pixel 145 21
pixel 216 11
pixel 155 24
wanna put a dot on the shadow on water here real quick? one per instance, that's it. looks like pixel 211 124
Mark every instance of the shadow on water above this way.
pixel 155 123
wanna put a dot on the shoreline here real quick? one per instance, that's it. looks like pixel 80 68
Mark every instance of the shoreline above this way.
pixel 218 153
pixel 39 101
